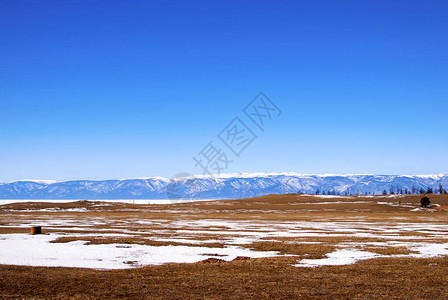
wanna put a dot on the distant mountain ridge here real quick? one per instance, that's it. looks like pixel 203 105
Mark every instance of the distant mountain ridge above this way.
pixel 225 186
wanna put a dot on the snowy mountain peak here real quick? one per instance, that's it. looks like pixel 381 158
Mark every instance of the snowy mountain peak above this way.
pixel 235 185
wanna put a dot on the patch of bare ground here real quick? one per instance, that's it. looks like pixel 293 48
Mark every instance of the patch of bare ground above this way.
pixel 6 230
pixel 313 251
pixel 130 240
pixel 388 250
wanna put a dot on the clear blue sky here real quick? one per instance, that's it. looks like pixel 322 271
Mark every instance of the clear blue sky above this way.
pixel 119 89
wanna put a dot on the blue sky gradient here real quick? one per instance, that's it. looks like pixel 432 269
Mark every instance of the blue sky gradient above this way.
pixel 123 89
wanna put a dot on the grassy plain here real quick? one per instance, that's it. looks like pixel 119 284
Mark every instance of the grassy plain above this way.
pixel 296 226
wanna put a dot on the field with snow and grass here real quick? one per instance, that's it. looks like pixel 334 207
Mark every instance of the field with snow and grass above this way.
pixel 272 246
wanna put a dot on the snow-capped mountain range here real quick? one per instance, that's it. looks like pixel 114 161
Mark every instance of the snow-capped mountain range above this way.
pixel 225 186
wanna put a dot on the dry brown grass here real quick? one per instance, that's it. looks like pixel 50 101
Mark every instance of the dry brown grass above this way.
pixel 389 250
pixel 131 241
pixel 6 230
pixel 254 279
pixel 313 251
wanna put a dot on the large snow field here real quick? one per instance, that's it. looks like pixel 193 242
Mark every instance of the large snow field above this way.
pixel 36 250
pixel 106 235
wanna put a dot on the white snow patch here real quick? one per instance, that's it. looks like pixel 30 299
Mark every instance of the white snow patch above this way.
pixel 36 250
pixel 397 204
pixel 429 250
pixel 338 258
pixel 422 209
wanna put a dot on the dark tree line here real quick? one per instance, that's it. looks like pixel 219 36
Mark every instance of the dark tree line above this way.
pixel 391 191
pixel 429 190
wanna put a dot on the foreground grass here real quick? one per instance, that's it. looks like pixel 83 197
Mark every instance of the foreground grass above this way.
pixel 257 278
